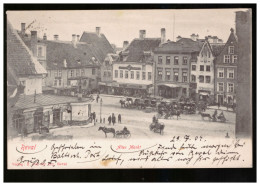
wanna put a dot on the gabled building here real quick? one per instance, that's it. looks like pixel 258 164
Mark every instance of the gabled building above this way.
pixel 133 72
pixel 202 71
pixel 71 65
pixel 226 71
pixel 172 67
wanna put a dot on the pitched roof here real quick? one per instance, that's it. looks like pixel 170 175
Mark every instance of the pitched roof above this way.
pixel 100 44
pixel 19 57
pixel 217 48
pixel 81 55
pixel 45 100
pixel 182 45
pixel 135 51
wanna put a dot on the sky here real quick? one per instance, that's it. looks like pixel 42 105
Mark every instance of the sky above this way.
pixel 124 25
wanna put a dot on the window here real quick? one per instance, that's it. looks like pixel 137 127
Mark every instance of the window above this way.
pixel 126 74
pixel 149 75
pixel 159 74
pixel 167 75
pixel 55 82
pixel 201 67
pixel 168 60
pixel 176 60
pixel 207 79
pixel 71 73
pixel 105 73
pixel 201 79
pixel 184 76
pixel 55 73
pixel 93 71
pixel 40 52
pixel 185 60
pixel 59 73
pixel 234 59
pixel 230 87
pixel 59 82
pixel 231 49
pixel 82 72
pixel 137 75
pixel 220 87
pixel 220 72
pixel 226 58
pixel 121 74
pixel 193 78
pixel 230 73
pixel 78 72
pixel 116 73
pixel 108 73
pixel 208 68
pixel 132 75
pixel 176 76
pixel 159 59
pixel 193 67
pixel 143 76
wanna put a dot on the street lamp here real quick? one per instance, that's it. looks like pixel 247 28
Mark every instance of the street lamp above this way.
pixel 101 110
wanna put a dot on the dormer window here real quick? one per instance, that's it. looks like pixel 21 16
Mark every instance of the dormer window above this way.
pixel 231 49
pixel 40 52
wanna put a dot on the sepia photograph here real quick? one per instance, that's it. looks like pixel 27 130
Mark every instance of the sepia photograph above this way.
pixel 119 89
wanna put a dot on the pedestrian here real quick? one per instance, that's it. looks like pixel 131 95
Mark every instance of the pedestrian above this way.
pixel 94 117
pixel 154 119
pixel 109 119
pixel 97 98
pixel 119 118
pixel 218 104
pixel 104 120
pixel 113 119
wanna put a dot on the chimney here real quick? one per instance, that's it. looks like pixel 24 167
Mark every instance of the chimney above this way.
pixel 98 31
pixel 23 28
pixel 178 38
pixel 77 38
pixel 56 37
pixel 34 42
pixel 74 40
pixel 44 36
pixel 125 44
pixel 163 32
pixel 142 34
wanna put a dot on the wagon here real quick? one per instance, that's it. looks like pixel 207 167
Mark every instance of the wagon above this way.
pixel 157 127
pixel 123 133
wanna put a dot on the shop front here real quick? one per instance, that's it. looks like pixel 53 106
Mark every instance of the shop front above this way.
pixel 173 91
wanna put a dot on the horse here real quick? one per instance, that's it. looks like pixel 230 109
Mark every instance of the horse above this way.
pixel 107 130
pixel 205 115
pixel 122 102
pixel 176 112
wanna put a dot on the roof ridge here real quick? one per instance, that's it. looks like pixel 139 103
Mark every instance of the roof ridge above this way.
pixel 38 67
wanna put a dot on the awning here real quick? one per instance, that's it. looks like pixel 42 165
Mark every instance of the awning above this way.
pixel 101 83
pixel 171 85
pixel 204 93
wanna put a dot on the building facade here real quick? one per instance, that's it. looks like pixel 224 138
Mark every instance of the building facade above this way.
pixel 226 71
pixel 133 71
pixel 172 67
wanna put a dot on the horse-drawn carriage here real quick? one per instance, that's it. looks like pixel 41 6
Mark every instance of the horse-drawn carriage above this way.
pixel 125 133
pixel 157 127
pixel 188 107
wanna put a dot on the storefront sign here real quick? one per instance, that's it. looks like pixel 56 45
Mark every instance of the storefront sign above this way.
pixel 129 68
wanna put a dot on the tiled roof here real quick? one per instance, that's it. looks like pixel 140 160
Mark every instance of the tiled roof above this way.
pixel 135 51
pixel 217 48
pixel 81 55
pixel 25 102
pixel 183 45
pixel 19 57
pixel 99 43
